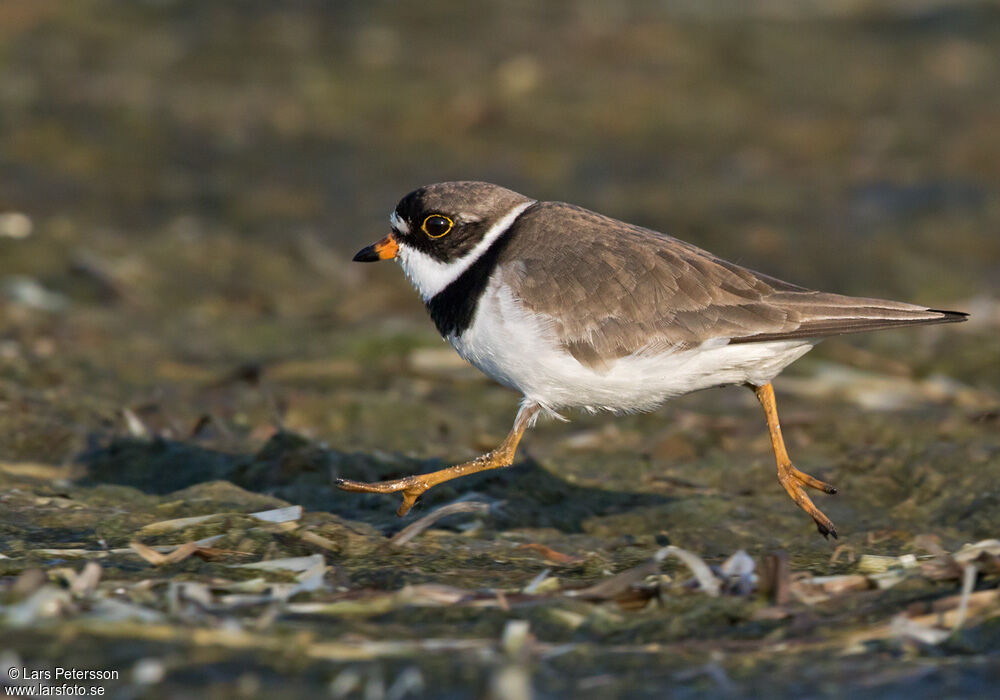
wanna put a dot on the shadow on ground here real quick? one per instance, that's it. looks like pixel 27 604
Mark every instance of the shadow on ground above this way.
pixel 299 471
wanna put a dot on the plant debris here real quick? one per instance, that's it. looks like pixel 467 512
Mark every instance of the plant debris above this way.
pixel 189 358
pixel 414 529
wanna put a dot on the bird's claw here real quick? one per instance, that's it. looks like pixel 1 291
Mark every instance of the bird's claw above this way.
pixel 411 488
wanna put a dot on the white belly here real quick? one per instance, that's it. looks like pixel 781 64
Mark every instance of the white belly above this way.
pixel 519 350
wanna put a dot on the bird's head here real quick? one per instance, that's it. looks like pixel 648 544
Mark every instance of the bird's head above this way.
pixel 438 230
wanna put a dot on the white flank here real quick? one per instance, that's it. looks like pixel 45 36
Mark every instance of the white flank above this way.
pixel 430 275
pixel 518 349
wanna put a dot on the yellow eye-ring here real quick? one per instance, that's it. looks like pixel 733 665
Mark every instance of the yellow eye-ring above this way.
pixel 437 225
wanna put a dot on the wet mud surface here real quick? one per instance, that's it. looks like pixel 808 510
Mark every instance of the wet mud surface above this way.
pixel 188 359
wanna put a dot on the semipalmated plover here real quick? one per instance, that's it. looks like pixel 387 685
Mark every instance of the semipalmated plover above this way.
pixel 578 310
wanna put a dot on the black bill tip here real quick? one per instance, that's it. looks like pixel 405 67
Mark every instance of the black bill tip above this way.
pixel 368 254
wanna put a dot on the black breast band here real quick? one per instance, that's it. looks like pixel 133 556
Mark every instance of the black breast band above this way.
pixel 454 307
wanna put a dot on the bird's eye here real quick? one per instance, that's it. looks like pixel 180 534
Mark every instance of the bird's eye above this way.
pixel 437 225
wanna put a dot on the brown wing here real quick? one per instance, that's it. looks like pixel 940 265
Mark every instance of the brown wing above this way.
pixel 612 289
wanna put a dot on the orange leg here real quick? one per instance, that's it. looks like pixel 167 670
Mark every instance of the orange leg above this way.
pixel 788 476
pixel 413 486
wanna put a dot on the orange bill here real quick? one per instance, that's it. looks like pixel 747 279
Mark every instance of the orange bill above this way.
pixel 382 250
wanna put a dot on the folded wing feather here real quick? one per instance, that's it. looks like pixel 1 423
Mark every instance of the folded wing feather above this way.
pixel 610 289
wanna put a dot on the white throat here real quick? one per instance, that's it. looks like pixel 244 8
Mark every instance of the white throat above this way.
pixel 430 276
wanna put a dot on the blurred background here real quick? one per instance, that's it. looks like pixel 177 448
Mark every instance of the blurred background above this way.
pixel 183 184
pixel 186 181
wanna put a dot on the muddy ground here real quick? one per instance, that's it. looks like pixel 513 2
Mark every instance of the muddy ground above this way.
pixel 182 186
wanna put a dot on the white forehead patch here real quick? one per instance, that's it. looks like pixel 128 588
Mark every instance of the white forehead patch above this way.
pixel 430 276
pixel 397 223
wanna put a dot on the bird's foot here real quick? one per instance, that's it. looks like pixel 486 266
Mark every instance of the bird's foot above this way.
pixel 793 481
pixel 411 486
pixel 812 482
